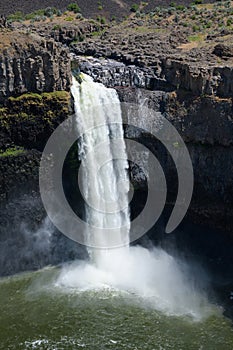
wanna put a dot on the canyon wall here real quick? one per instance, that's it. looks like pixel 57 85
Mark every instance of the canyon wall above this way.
pixel 199 104
pixel 29 63
pixel 166 74
pixel 35 76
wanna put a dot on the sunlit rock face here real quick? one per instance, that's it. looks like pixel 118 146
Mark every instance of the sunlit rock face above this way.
pixel 166 74
pixel 29 63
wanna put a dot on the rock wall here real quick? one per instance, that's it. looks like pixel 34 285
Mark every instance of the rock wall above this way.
pixel 204 120
pixel 28 240
pixel 166 74
pixel 26 122
pixel 29 63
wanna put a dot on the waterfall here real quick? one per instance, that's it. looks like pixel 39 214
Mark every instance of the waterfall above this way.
pixel 157 278
pixel 104 177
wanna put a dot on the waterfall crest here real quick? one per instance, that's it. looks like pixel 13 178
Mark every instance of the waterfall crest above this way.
pixel 104 180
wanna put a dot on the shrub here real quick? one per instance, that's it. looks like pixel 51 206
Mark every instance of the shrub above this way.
pixel 33 15
pixel 38 18
pixel 69 19
pixel 134 8
pixel 50 11
pixel 198 2
pixel 196 28
pixel 73 7
pixel 56 27
pixel 79 16
pixel 17 16
pixel 180 7
pixel 102 20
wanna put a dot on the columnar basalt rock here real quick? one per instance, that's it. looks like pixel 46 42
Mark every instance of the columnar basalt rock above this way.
pixel 32 64
pixel 167 74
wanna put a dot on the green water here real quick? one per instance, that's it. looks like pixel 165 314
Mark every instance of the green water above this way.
pixel 36 314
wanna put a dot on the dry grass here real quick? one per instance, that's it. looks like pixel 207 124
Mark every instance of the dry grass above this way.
pixel 188 46
pixel 5 39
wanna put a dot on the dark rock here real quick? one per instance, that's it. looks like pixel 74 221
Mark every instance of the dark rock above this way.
pixel 33 64
pixel 222 50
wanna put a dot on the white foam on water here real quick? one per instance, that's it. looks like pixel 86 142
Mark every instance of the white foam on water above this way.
pixel 152 275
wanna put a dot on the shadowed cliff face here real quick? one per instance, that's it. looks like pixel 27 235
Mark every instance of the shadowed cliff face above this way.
pixel 28 63
pixel 35 77
pixel 26 123
pixel 205 122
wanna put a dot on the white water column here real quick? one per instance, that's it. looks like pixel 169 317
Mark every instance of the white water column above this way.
pixel 104 178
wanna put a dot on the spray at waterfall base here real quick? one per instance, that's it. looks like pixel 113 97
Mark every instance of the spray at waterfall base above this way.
pixel 104 184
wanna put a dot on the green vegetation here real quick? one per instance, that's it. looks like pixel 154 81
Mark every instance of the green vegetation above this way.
pixel 101 19
pixel 60 96
pixel 56 27
pixel 26 97
pixel 97 33
pixel 18 16
pixel 79 16
pixel 197 37
pixel 134 8
pixel 194 19
pixel 31 114
pixel 74 7
pixel 180 7
pixel 196 28
pixel 100 7
pixel 38 15
pixel 43 14
pixel 33 104
pixel 11 152
pixel 50 11
pixel 69 19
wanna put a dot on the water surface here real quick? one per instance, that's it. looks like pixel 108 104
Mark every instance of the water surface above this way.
pixel 38 313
